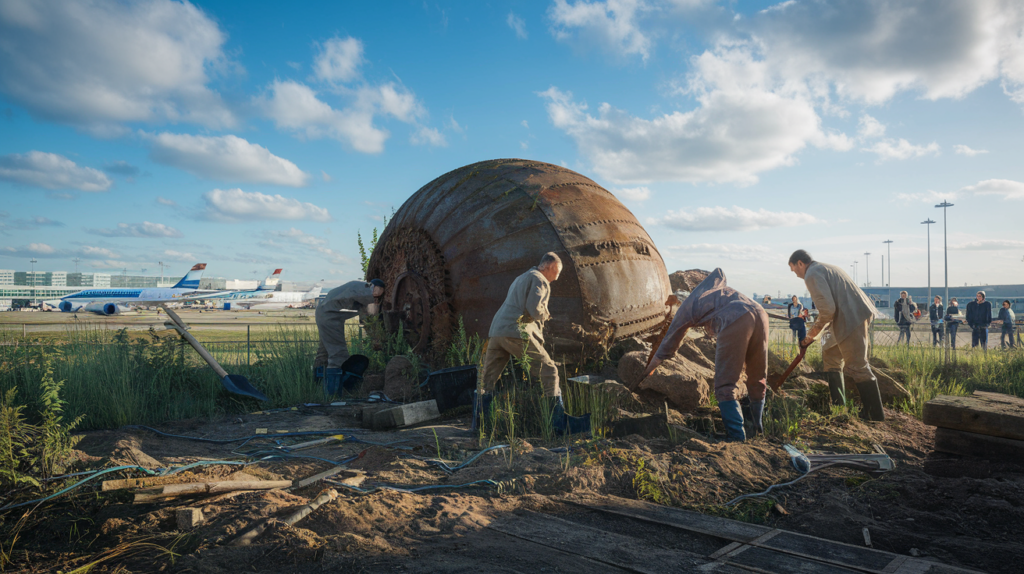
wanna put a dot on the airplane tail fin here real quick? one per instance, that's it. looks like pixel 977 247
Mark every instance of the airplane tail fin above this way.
pixel 270 283
pixel 312 293
pixel 191 279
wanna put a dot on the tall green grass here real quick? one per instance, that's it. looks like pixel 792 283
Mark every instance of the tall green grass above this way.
pixel 112 379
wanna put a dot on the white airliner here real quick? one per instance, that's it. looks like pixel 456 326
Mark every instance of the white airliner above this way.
pixel 111 301
pixel 267 296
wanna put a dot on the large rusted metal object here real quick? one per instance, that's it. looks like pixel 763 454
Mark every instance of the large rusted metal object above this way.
pixel 456 245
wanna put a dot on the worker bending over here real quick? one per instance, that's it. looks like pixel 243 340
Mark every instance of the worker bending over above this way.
pixel 847 313
pixel 517 330
pixel 741 327
pixel 342 303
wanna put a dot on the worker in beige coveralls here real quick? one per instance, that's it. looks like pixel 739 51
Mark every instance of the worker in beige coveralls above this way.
pixel 846 312
pixel 517 330
pixel 342 303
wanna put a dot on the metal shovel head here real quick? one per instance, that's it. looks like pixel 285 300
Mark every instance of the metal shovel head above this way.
pixel 241 386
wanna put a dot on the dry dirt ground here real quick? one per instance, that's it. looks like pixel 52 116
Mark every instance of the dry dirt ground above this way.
pixel 970 522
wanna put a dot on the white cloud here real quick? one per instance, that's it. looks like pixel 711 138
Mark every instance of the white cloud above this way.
pixel 1007 188
pixel 518 25
pixel 229 158
pixel 99 64
pixel 173 255
pixel 238 205
pixel 45 250
pixel 634 193
pixel 306 241
pixel 425 135
pixel 989 245
pixel 106 264
pixel 929 197
pixel 88 251
pixel 611 25
pixel 165 201
pixel 144 229
pixel 965 150
pixel 901 149
pixel 730 251
pixel 870 128
pixel 339 60
pixel 731 219
pixel 51 171
pixel 326 178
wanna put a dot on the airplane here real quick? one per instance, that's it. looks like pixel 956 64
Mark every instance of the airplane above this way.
pixel 265 297
pixel 111 301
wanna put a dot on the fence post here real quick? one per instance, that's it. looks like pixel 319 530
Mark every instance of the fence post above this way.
pixel 248 358
pixel 24 331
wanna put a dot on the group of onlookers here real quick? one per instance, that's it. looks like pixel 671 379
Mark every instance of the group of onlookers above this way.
pixel 946 321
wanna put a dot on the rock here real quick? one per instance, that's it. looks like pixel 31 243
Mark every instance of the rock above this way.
pixel 189 518
pixel 680 383
pixel 399 379
pixel 631 368
pixel 891 390
pixel 686 280
pixel 697 353
pixel 628 345
pixel 620 396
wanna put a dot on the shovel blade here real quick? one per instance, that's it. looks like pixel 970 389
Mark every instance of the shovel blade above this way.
pixel 240 385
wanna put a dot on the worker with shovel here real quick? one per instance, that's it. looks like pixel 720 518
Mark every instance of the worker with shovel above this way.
pixel 847 313
pixel 342 303
pixel 741 327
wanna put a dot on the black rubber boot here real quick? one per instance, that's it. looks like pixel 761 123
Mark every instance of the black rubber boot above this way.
pixel 564 424
pixel 836 387
pixel 871 398
pixel 482 414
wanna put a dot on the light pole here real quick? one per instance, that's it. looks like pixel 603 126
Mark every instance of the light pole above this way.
pixel 76 260
pixel 855 272
pixel 33 262
pixel 888 255
pixel 867 269
pixel 161 264
pixel 945 252
pixel 929 223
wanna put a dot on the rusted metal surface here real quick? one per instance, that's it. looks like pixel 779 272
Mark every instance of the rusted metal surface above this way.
pixel 456 245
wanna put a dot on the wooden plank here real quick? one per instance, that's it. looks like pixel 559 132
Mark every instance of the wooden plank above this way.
pixel 687 520
pixel 624 552
pixel 992 414
pixel 139 482
pixel 978 445
pixel 832 552
pixel 765 560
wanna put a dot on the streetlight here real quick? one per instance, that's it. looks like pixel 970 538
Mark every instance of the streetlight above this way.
pixel 867 269
pixel 76 260
pixel 888 255
pixel 854 272
pixel 945 252
pixel 33 262
pixel 929 223
pixel 161 264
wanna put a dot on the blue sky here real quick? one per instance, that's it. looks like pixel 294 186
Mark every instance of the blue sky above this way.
pixel 258 135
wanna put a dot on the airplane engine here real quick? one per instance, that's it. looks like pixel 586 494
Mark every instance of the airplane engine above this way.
pixel 65 306
pixel 103 308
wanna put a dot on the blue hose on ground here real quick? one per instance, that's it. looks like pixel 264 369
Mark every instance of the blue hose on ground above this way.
pixel 450 469
pixel 409 490
pixel 77 484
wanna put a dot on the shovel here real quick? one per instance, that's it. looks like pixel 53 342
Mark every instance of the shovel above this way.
pixel 789 371
pixel 236 384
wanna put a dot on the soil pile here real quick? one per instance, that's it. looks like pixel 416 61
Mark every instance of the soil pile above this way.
pixel 686 280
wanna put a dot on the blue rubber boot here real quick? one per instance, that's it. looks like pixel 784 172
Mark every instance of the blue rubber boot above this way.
pixel 481 411
pixel 732 416
pixel 318 373
pixel 756 413
pixel 564 424
pixel 332 382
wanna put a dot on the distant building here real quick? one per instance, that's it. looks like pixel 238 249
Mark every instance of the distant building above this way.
pixel 884 297
pixel 6 276
pixel 87 280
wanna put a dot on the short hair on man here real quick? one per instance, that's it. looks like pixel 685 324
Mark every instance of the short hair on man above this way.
pixel 549 258
pixel 1006 302
pixel 982 293
pixel 800 256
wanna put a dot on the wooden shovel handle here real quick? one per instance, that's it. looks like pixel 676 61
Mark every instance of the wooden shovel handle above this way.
pixel 182 330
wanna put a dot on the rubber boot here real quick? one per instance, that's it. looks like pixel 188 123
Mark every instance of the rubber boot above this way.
pixel 481 411
pixel 836 387
pixel 564 424
pixel 872 400
pixel 318 373
pixel 332 382
pixel 756 414
pixel 732 416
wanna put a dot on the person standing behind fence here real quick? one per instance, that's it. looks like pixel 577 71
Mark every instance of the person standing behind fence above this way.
pixel 936 316
pixel 797 324
pixel 953 319
pixel 1007 317
pixel 903 312
pixel 847 313
pixel 979 317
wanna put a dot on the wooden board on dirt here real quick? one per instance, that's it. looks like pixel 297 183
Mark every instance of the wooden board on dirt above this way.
pixel 992 414
pixel 979 445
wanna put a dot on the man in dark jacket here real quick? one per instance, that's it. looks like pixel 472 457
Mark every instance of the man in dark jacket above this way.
pixel 936 317
pixel 903 312
pixel 979 316
pixel 953 319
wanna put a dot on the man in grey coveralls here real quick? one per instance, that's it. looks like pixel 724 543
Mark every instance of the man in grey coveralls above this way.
pixel 846 312
pixel 358 297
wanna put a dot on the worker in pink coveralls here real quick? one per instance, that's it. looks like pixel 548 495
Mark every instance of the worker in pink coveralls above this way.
pixel 741 328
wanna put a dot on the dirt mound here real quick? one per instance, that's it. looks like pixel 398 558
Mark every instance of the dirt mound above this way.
pixel 687 280
pixel 400 379
pixel 680 382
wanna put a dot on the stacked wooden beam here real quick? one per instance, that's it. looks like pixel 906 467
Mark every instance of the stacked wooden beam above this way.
pixel 983 425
